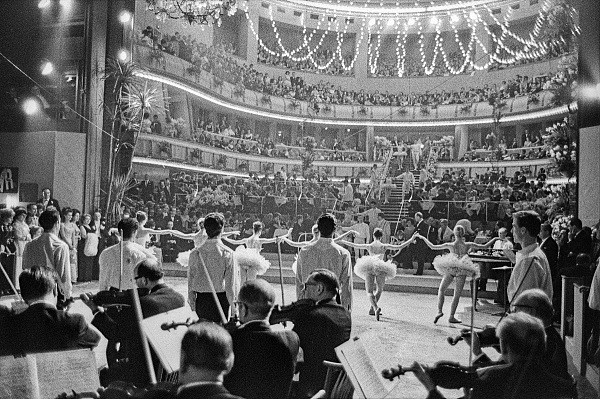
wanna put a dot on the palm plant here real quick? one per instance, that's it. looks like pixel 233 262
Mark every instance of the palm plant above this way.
pixel 128 100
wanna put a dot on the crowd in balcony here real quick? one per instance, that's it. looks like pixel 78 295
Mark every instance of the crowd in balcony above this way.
pixel 218 59
pixel 319 62
pixel 494 148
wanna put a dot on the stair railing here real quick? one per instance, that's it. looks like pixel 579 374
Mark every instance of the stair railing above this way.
pixel 382 173
pixel 402 207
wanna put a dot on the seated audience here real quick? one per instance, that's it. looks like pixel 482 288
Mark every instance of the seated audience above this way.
pixel 42 327
pixel 265 360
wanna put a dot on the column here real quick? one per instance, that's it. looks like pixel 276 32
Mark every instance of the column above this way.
pixel 294 134
pixel 246 31
pixel 519 131
pixel 179 109
pixel 461 140
pixel 589 169
pixel 369 142
pixel 361 64
pixel 273 131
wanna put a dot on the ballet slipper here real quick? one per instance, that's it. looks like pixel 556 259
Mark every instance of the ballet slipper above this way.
pixel 371 312
pixel 378 313
pixel 439 315
pixel 453 319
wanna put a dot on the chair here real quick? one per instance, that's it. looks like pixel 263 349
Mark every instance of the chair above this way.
pixel 337 383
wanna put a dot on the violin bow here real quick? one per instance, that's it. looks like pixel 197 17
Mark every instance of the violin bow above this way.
pixel 473 304
pixel 280 272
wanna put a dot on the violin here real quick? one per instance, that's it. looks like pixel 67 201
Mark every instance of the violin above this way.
pixel 445 374
pixel 116 298
pixel 487 337
pixel 281 314
pixel 231 325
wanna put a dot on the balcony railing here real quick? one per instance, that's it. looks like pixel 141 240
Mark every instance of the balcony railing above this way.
pixel 175 71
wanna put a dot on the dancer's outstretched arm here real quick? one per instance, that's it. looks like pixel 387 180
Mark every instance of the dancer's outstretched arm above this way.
pixel 433 246
pixel 299 244
pixel 235 242
pixel 482 246
pixel 346 234
pixel 275 239
pixel 353 245
pixel 399 247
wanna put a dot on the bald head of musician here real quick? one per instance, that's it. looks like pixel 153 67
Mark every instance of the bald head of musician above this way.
pixel 536 303
pixel 38 284
pixel 206 355
pixel 255 300
pixel 148 274
pixel 522 338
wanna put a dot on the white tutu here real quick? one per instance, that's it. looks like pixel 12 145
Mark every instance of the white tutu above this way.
pixel 375 266
pixel 184 258
pixel 250 260
pixel 455 266
pixel 295 265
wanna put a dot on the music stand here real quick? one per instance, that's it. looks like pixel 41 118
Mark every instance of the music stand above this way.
pixel 504 269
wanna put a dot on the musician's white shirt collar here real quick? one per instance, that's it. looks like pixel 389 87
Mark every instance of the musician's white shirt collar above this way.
pixel 197 384
pixel 43 301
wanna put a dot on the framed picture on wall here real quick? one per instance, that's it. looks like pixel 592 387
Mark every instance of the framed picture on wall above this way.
pixel 9 180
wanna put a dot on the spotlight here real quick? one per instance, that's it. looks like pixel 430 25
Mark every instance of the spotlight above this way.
pixel 30 106
pixel 43 3
pixel 123 55
pixel 434 20
pixel 391 22
pixel 372 21
pixel 47 68
pixel 411 22
pixel 473 15
pixel 124 17
pixel 66 3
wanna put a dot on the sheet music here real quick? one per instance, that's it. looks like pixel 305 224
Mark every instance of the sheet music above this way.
pixel 362 359
pixel 18 378
pixel 167 343
pixel 60 372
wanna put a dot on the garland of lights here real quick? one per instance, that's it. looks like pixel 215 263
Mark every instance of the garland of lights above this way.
pixel 531 46
pixel 202 12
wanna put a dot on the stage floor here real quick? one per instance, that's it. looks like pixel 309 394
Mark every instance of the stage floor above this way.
pixel 405 333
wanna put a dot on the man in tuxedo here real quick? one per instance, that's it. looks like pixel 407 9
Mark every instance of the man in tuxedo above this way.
pixel 580 242
pixel 41 327
pixel 421 250
pixel 169 244
pixel 147 188
pixel 47 200
pixel 550 248
pixel 161 218
pixel 265 360
pixel 320 330
pixel 175 218
pixel 125 356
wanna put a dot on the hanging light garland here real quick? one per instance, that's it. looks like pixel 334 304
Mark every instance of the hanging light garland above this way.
pixel 530 45
pixel 202 12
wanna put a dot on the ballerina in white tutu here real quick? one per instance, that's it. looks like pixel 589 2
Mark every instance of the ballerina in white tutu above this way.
pixel 455 264
pixel 143 233
pixel 315 238
pixel 373 269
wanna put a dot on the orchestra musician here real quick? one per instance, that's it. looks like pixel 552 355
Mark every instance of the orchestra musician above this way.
pixel 320 329
pixel 42 327
pixel 125 356
pixel 265 360
pixel 522 343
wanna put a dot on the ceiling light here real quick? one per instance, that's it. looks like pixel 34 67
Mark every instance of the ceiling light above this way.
pixel 372 21
pixel 124 17
pixel 43 3
pixel 411 22
pixel 434 20
pixel 454 18
pixel 391 22
pixel 30 106
pixel 123 55
pixel 473 15
pixel 65 3
pixel 47 68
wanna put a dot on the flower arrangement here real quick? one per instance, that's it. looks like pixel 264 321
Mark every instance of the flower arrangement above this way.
pixel 560 222
pixel 222 161
pixel 466 108
pixel 268 167
pixel 326 108
pixel 243 166
pixel 218 82
pixel 265 99
pixel 562 200
pixel 179 125
pixel 294 103
pixel 194 70
pixel 402 111
pixel 164 148
pixel 212 198
pixel 382 142
pixel 195 155
pixel 239 90
pixel 424 110
pixel 533 98
pixel 158 56
pixel 362 110
pixel 560 144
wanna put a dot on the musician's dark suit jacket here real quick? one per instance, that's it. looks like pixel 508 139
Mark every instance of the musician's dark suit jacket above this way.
pixel 201 390
pixel 550 248
pixel 42 327
pixel 420 249
pixel 121 327
pixel 320 330
pixel 517 381
pixel 265 361
pixel 581 243
pixel 51 202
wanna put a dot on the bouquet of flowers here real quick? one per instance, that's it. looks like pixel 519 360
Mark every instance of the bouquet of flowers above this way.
pixel 561 146
pixel 382 142
pixel 178 125
pixel 561 222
